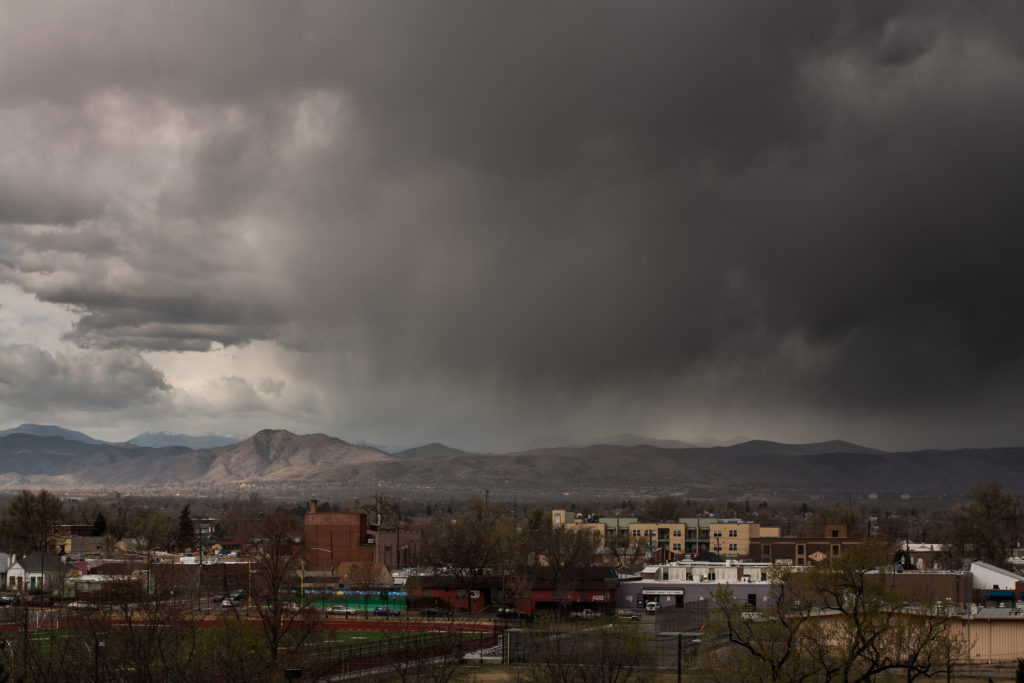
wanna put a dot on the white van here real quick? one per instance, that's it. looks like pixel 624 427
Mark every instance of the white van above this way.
pixel 652 607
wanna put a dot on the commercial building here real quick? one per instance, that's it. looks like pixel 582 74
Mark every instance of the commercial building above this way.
pixel 335 537
pixel 803 550
pixel 689 581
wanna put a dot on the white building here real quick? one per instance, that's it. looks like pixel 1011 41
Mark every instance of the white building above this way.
pixel 690 581
pixel 38 571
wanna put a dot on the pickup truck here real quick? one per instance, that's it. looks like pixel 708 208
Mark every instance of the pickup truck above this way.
pixel 584 614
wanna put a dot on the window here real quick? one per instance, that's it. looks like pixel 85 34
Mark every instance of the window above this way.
pixel 835 533
pixel 718 533
pixel 752 599
pixel 732 533
pixel 677 533
pixel 711 575
pixel 835 548
pixel 800 549
pixel 677 546
pixel 732 546
pixel 460 594
pixel 636 532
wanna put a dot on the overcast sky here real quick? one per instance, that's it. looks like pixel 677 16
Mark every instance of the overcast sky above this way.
pixel 486 223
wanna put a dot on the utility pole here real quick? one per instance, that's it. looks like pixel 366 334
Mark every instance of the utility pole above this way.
pixel 398 534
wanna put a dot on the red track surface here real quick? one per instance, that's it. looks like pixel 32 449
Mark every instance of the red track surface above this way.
pixel 340 625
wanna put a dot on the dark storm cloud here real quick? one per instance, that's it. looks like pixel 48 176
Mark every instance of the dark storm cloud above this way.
pixel 685 204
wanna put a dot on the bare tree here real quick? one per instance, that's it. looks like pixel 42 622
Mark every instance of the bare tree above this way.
pixel 614 653
pixel 988 524
pixel 242 518
pixel 277 586
pixel 479 540
pixel 149 532
pixel 29 518
pixel 835 622
pixel 663 509
pixel 564 550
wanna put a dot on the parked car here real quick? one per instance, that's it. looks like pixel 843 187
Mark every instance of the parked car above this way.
pixel 6 600
pixel 38 601
pixel 585 613
pixel 652 607
pixel 386 612
pixel 627 615
pixel 513 613
pixel 444 612
pixel 341 611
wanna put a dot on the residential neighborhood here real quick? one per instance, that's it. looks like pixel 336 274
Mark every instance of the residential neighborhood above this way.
pixel 317 564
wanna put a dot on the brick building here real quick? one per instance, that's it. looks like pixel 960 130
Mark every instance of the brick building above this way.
pixel 335 537
pixel 803 550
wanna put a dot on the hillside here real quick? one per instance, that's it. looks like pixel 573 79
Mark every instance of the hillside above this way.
pixel 50 430
pixel 278 458
pixel 165 439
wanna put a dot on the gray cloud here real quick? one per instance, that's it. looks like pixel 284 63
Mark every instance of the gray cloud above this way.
pixel 32 379
pixel 573 216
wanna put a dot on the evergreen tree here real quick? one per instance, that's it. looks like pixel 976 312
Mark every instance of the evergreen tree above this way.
pixel 186 530
pixel 99 527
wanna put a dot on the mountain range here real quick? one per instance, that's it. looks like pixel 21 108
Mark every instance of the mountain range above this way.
pixel 165 439
pixel 149 439
pixel 278 458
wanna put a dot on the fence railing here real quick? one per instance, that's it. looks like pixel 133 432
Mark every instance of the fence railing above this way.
pixel 321 659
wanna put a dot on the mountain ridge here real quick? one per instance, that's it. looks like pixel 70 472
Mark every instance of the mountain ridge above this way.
pixel 51 430
pixel 279 458
pixel 163 439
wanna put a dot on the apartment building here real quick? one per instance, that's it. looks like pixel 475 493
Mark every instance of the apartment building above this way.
pixel 565 519
pixel 659 536
pixel 687 536
pixel 731 538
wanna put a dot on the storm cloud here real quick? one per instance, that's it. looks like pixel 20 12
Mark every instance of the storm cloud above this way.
pixel 484 222
pixel 34 379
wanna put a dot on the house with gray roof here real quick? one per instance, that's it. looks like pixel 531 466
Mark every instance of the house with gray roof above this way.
pixel 37 571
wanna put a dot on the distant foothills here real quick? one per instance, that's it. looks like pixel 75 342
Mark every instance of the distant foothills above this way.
pixel 56 458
